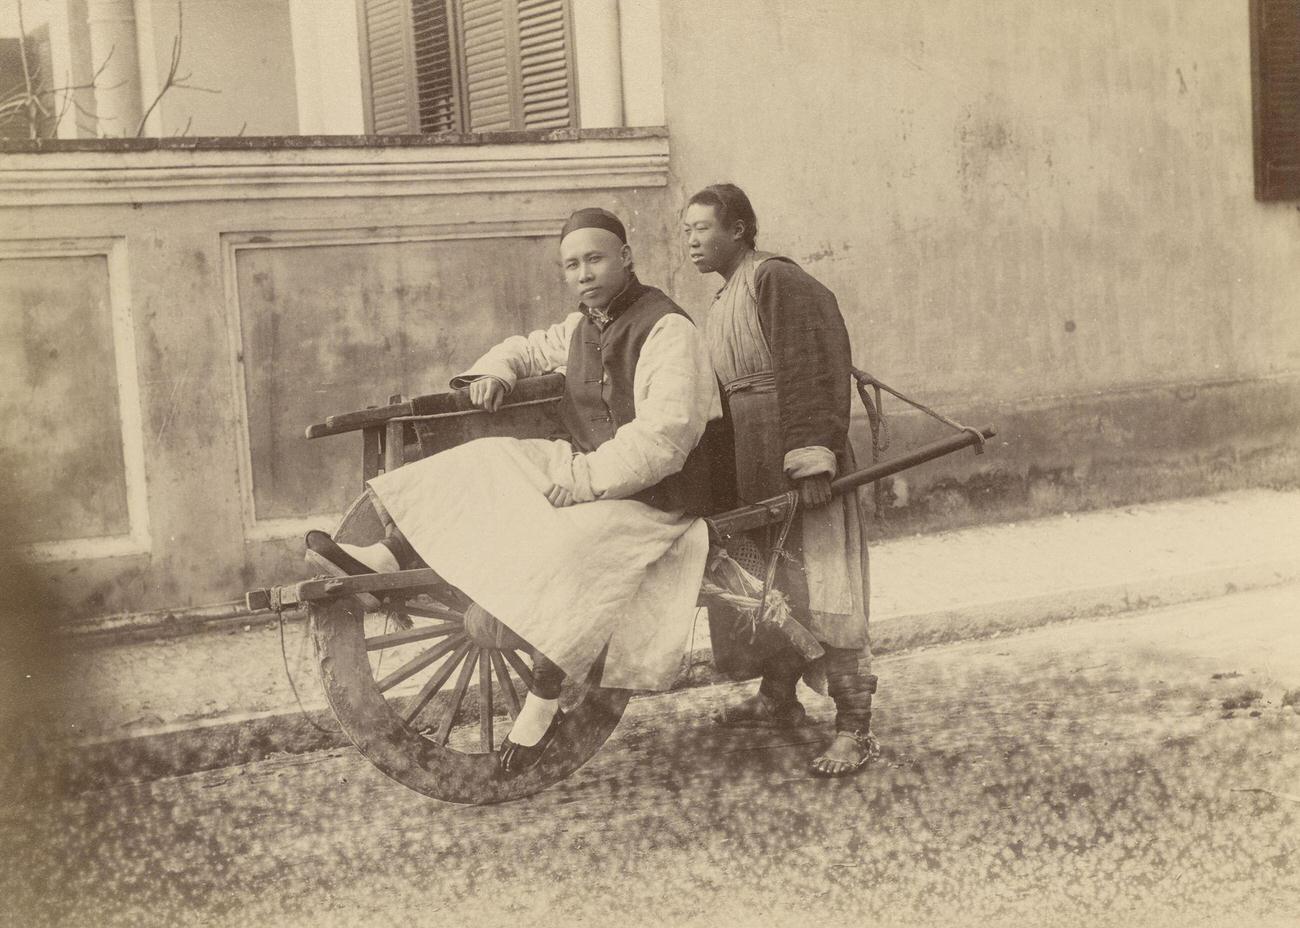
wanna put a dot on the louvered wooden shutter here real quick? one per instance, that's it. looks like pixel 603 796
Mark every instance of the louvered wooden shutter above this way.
pixel 388 66
pixel 1275 42
pixel 467 65
pixel 436 86
pixel 518 64
pixel 489 78
pixel 546 86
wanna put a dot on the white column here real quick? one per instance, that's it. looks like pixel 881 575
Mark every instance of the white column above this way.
pixel 643 63
pixel 117 90
pixel 597 50
pixel 146 44
pixel 61 65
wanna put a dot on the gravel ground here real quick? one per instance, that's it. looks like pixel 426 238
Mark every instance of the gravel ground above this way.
pixel 1088 773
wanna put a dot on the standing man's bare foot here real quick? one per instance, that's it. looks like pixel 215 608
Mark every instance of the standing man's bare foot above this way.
pixel 849 752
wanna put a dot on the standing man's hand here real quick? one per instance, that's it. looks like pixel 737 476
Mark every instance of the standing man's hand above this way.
pixel 487 393
pixel 815 491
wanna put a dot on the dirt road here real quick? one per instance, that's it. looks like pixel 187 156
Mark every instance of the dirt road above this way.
pixel 1136 771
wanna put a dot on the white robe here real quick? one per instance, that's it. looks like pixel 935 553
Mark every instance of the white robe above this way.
pixel 608 570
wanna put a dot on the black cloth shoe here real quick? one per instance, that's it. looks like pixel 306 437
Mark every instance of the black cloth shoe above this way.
pixel 407 557
pixel 325 553
pixel 514 759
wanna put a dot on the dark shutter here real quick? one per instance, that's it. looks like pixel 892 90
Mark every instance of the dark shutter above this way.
pixel 388 66
pixel 467 65
pixel 1275 45
pixel 546 90
pixel 434 67
pixel 489 68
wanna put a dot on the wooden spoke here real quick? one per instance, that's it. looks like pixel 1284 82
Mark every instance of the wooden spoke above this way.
pixel 393 639
pixel 521 668
pixel 419 662
pixel 457 697
pixel 485 701
pixel 436 682
pixel 507 685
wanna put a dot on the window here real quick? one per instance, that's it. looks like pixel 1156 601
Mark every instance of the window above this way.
pixel 28 108
pixel 1275 48
pixel 467 65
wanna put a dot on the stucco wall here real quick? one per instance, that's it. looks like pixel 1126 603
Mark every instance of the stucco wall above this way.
pixel 1012 200
pixel 240 51
pixel 57 345
pixel 1033 216
pixel 172 320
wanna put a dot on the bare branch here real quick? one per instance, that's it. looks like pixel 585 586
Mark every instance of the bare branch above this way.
pixel 81 109
pixel 17 104
pixel 26 96
pixel 87 87
pixel 64 103
pixel 17 90
pixel 27 75
pixel 100 70
pixel 172 81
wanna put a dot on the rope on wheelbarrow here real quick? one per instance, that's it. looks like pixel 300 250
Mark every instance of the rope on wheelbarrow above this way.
pixel 876 416
pixel 284 656
pixel 728 581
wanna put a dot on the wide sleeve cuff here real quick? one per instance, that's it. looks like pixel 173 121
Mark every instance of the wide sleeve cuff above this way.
pixel 809 462
pixel 461 381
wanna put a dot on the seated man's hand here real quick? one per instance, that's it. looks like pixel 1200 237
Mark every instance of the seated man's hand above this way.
pixel 815 491
pixel 559 496
pixel 487 393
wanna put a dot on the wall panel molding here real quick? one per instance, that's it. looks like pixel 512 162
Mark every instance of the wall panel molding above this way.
pixel 137 539
pixel 263 528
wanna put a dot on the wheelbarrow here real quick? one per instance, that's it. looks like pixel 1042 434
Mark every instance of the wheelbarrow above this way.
pixel 419 678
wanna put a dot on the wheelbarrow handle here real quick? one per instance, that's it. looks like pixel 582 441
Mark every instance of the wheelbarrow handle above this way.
pixel 769 511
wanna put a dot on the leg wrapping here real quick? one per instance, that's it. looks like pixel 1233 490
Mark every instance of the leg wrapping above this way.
pixel 851 688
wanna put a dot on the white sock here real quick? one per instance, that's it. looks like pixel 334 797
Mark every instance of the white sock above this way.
pixel 534 718
pixel 377 557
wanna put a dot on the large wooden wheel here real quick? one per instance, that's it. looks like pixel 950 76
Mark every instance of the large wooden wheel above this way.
pixel 424 689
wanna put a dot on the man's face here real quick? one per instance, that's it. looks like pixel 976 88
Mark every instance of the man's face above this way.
pixel 596 265
pixel 712 247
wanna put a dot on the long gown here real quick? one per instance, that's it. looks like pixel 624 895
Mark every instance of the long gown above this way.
pixel 780 349
pixel 571 580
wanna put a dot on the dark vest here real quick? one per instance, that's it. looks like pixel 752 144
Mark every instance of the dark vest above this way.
pixel 598 390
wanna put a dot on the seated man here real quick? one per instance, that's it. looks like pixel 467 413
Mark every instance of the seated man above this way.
pixel 505 520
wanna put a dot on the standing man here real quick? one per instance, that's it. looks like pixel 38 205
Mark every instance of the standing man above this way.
pixel 781 352
pixel 583 545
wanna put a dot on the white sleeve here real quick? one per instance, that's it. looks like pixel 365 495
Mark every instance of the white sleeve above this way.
pixel 809 462
pixel 676 395
pixel 522 356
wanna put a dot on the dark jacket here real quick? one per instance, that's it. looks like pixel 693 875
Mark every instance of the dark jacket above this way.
pixel 598 393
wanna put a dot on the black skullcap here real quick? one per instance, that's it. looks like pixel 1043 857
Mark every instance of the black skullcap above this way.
pixel 593 217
